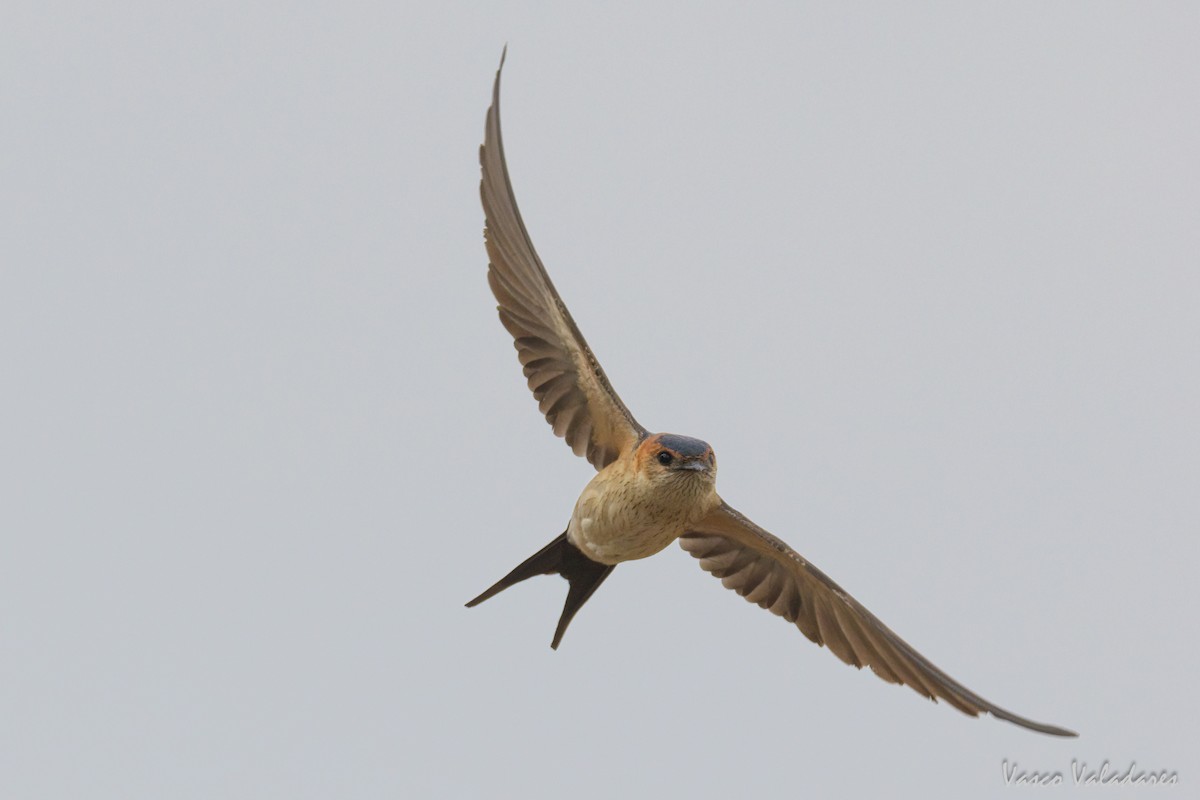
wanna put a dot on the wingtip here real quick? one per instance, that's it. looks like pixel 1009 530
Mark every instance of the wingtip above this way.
pixel 1040 727
pixel 495 107
pixel 503 57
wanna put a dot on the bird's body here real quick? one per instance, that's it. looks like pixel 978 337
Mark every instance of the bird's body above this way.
pixel 636 507
pixel 653 489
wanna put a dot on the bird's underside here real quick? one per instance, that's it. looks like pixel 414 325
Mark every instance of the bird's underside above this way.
pixel 580 404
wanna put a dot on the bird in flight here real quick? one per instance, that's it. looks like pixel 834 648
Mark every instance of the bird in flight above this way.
pixel 652 489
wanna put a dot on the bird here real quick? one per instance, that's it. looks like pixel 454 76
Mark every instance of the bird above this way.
pixel 652 489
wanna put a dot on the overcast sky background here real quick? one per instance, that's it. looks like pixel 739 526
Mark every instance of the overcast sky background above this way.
pixel 927 278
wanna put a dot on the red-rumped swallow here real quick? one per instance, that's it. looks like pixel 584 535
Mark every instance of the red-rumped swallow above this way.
pixel 652 489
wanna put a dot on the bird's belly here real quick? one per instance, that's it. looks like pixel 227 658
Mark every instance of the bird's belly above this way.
pixel 611 525
pixel 609 542
pixel 621 516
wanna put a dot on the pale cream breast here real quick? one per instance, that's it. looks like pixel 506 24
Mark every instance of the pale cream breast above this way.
pixel 624 515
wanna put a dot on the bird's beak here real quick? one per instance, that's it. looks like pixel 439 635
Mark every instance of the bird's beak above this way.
pixel 695 466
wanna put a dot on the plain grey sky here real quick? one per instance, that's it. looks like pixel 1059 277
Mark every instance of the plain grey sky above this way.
pixel 926 276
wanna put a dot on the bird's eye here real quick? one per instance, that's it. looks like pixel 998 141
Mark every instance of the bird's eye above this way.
pixel 665 458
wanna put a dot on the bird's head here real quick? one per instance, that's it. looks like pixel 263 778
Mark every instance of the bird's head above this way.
pixel 671 458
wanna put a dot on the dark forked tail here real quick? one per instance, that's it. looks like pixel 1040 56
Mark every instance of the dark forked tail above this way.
pixel 560 557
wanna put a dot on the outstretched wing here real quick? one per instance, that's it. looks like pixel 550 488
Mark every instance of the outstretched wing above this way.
pixel 764 570
pixel 565 377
